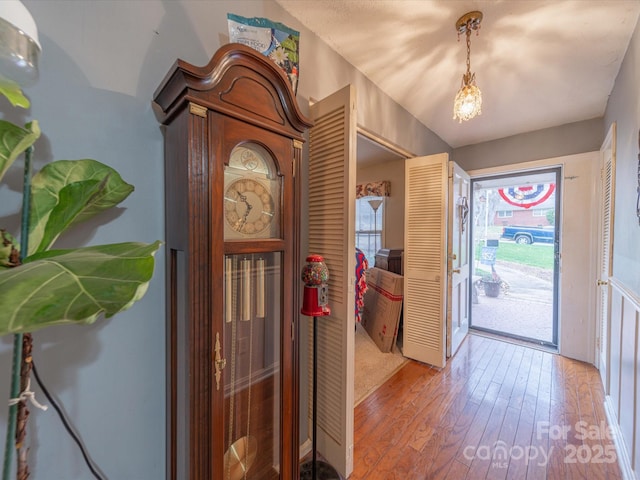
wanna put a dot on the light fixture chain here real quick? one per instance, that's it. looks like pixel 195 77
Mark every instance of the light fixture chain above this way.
pixel 468 52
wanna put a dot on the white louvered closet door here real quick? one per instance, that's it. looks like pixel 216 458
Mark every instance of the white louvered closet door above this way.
pixel 425 244
pixel 332 182
pixel 607 188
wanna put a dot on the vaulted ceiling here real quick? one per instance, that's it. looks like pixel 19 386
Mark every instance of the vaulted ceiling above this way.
pixel 539 64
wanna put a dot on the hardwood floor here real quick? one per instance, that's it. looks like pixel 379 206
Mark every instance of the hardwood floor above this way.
pixel 496 411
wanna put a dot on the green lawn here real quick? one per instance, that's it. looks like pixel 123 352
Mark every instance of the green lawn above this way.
pixel 535 255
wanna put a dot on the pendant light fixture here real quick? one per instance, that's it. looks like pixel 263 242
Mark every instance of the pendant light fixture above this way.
pixel 468 100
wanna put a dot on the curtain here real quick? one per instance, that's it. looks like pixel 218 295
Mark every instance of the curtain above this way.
pixel 374 189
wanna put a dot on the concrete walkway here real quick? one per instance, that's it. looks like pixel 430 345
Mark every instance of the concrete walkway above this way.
pixel 524 309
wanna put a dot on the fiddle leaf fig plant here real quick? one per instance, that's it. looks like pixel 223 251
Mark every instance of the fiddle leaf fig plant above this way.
pixel 52 287
pixel 41 287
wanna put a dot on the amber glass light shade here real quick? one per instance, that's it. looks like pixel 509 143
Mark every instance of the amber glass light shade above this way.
pixel 468 102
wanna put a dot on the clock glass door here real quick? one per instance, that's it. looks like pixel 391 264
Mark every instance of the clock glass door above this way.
pixel 253 277
pixel 252 372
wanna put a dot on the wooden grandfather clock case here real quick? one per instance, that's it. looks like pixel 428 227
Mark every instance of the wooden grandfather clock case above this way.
pixel 233 146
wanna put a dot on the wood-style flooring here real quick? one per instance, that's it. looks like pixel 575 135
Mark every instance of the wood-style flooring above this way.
pixel 496 411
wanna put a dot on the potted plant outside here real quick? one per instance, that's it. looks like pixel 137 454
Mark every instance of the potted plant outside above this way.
pixel 492 283
pixel 491 287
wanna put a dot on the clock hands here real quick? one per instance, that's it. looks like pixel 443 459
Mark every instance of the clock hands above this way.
pixel 258 211
pixel 243 220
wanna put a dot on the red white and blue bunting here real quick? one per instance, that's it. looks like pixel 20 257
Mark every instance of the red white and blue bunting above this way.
pixel 527 196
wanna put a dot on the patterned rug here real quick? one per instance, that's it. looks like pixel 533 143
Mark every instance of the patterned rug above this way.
pixel 372 367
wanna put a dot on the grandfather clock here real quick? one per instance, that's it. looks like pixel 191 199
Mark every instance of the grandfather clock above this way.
pixel 233 146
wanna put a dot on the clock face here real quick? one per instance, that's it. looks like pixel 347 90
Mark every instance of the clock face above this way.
pixel 248 206
pixel 251 194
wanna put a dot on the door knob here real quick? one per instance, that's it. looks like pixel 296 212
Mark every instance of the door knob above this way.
pixel 455 270
pixel 602 282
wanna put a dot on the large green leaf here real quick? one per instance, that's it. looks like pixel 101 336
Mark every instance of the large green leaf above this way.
pixel 74 286
pixel 73 201
pixel 66 192
pixel 13 92
pixel 14 140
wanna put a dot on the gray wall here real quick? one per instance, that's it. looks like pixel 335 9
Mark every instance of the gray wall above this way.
pixel 624 109
pixel 573 138
pixel 569 139
pixel 101 63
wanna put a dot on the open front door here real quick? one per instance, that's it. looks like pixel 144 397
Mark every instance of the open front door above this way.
pixel 458 258
pixel 332 183
pixel 425 261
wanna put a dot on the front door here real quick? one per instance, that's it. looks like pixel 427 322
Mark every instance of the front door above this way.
pixel 516 241
pixel 458 258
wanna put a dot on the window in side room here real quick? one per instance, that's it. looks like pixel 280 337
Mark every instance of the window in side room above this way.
pixel 370 226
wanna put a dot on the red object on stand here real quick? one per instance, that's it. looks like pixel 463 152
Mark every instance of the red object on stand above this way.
pixel 315 303
pixel 315 275
pixel 312 303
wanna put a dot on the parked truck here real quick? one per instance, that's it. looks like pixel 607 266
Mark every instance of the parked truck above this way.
pixel 528 235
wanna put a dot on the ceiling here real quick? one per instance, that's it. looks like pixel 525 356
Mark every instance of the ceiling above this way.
pixel 539 64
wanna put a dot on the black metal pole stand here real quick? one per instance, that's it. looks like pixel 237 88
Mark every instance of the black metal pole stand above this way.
pixel 326 471
pixel 315 396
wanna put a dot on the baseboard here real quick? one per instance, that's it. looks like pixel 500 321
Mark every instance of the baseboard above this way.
pixel 618 440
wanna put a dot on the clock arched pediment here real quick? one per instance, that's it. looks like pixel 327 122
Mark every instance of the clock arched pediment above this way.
pixel 270 103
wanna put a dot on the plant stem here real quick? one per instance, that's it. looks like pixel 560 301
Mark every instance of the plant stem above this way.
pixel 18 338
pixel 23 411
pixel 13 409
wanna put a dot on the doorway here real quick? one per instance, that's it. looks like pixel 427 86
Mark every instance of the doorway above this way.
pixel 377 160
pixel 515 240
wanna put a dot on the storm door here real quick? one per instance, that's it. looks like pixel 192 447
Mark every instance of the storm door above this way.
pixel 515 245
